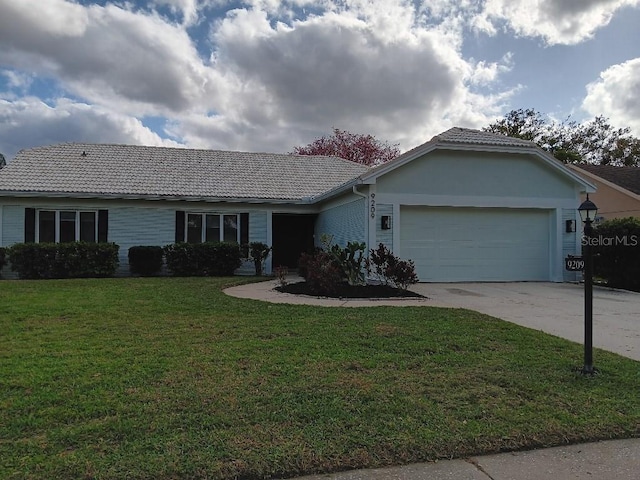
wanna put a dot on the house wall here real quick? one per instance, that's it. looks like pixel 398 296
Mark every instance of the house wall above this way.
pixel 12 225
pixel 344 219
pixel 447 178
pixel 570 241
pixel 384 236
pixel 613 203
pixel 133 223
pixel 464 177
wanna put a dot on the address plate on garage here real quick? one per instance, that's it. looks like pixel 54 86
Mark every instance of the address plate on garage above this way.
pixel 574 264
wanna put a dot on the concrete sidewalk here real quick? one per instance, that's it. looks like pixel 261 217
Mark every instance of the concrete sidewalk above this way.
pixel 550 307
pixel 610 460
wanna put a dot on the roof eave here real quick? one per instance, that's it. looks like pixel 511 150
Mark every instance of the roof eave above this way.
pixel 169 198
pixel 334 192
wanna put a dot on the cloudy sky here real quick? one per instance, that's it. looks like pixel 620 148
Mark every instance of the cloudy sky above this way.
pixel 267 75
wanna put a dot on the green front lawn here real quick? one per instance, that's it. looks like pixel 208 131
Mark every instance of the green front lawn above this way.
pixel 169 378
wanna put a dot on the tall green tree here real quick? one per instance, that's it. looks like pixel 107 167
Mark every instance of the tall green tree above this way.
pixel 595 142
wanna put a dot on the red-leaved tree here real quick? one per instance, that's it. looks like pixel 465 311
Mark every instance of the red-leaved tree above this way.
pixel 364 149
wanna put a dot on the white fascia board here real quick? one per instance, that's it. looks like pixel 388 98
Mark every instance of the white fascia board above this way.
pixel 475 201
pixel 555 163
pixel 334 192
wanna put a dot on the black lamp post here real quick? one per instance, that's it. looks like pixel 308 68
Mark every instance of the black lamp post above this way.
pixel 588 211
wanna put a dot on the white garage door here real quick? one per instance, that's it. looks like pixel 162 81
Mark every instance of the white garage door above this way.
pixel 476 244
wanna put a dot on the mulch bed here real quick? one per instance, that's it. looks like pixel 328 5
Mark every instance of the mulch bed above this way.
pixel 344 290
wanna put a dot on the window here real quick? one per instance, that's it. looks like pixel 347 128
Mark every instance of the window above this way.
pixel 207 227
pixel 194 228
pixel 66 226
pixel 47 227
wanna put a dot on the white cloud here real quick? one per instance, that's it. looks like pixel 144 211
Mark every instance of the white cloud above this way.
pixel 29 122
pixel 52 19
pixel 275 79
pixel 188 9
pixel 343 70
pixel 111 56
pixel 616 95
pixel 556 21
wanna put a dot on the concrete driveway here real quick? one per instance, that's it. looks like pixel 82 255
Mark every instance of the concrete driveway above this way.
pixel 555 308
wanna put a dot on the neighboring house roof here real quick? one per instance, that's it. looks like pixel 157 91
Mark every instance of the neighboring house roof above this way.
pixel 625 177
pixel 128 171
pixel 457 138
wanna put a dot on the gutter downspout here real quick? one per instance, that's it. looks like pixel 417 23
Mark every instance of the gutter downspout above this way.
pixel 366 215
pixel 355 190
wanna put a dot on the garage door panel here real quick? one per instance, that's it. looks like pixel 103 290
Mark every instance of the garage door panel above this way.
pixel 474 244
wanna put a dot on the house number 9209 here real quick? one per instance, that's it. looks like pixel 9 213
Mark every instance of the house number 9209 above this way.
pixel 373 205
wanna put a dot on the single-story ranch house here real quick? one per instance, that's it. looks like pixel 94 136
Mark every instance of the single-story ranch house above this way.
pixel 465 206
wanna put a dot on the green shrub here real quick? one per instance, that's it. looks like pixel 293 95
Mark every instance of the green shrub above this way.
pixel 145 260
pixel 213 259
pixel 351 261
pixel 3 258
pixel 258 252
pixel 616 246
pixel 321 271
pixel 63 260
pixel 391 270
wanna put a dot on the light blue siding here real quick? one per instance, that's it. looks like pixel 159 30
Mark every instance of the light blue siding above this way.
pixel 12 225
pixel 384 236
pixel 128 226
pixel 346 223
pixel 258 227
pixel 479 174
pixel 12 232
pixel 257 233
pixel 131 226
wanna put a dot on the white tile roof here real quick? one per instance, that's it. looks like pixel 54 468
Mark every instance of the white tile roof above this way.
pixel 479 137
pixel 77 169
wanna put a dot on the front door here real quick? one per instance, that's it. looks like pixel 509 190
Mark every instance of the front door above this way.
pixel 292 236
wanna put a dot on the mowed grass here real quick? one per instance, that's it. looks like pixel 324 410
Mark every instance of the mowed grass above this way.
pixel 169 378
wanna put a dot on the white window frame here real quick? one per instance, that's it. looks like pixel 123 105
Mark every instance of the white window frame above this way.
pixel 203 232
pixel 57 222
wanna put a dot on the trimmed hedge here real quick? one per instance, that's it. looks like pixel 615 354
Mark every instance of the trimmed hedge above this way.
pixel 212 259
pixel 63 260
pixel 616 245
pixel 145 260
pixel 3 257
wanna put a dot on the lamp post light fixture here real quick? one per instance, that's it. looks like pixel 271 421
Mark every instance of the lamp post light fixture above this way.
pixel 588 211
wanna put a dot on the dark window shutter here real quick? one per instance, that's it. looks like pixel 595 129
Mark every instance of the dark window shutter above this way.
pixel 103 225
pixel 244 228
pixel 179 226
pixel 29 225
